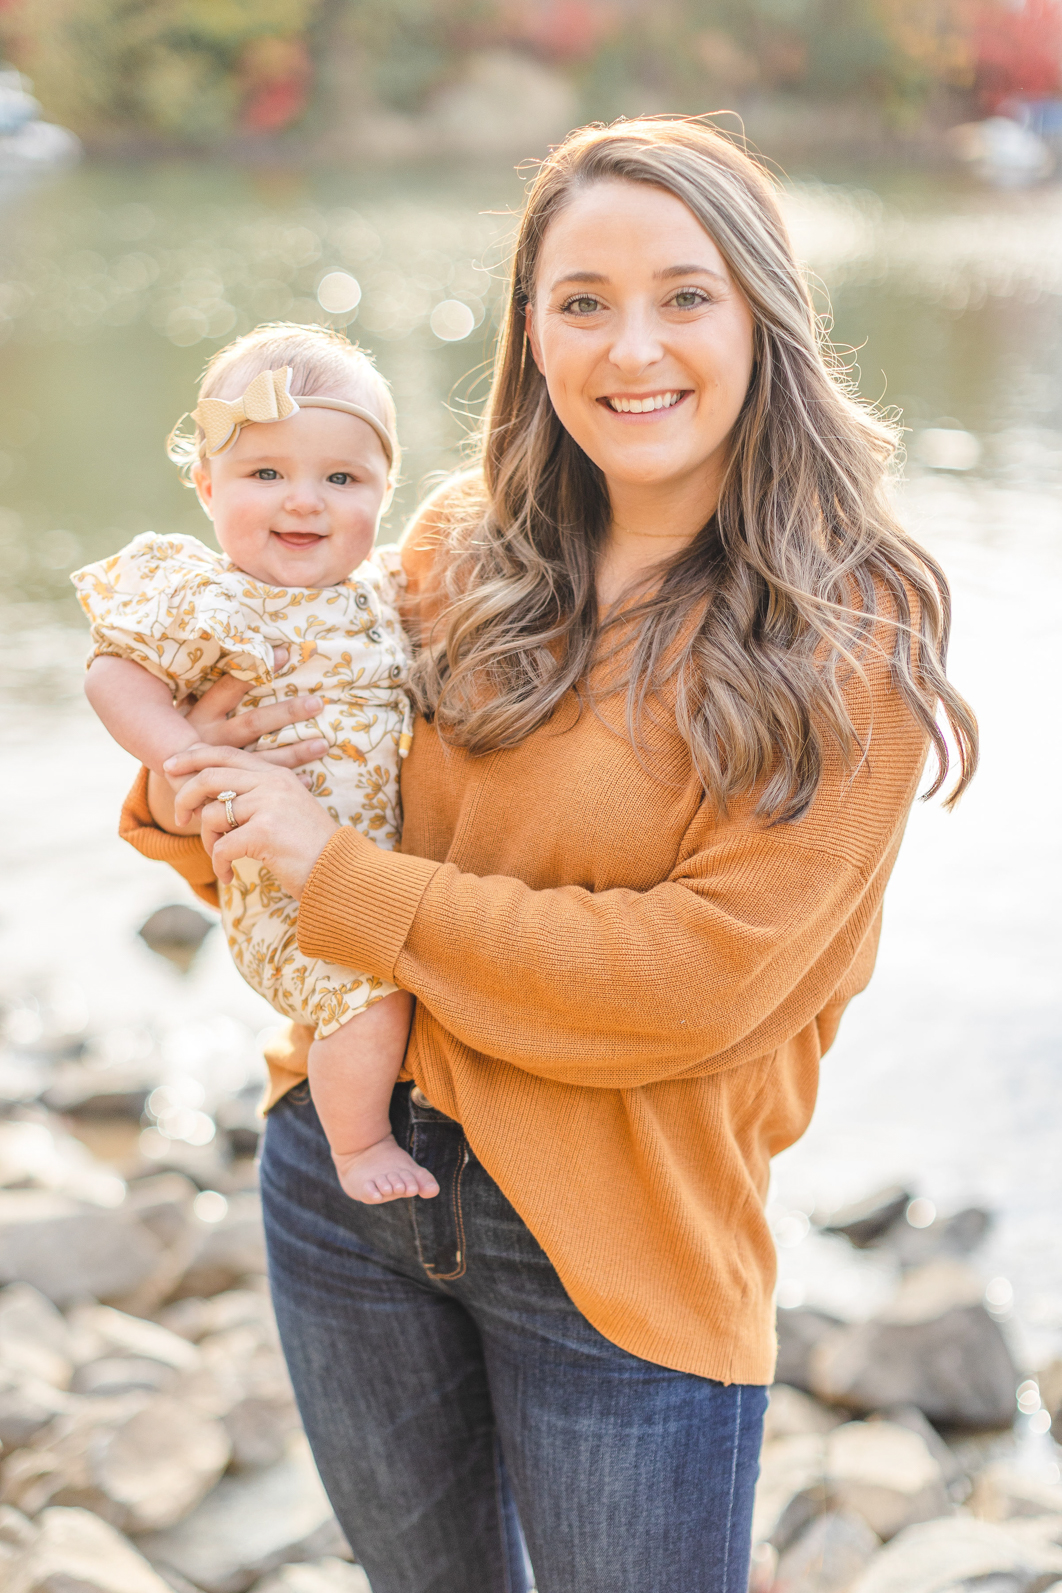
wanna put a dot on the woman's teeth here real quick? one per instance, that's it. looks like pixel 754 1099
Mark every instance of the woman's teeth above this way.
pixel 639 406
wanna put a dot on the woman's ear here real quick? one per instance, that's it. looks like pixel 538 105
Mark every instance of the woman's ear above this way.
pixel 204 487
pixel 529 328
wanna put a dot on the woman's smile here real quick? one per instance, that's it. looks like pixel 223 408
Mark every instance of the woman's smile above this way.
pixel 644 403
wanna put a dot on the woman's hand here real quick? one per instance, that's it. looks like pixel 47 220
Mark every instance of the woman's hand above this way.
pixel 209 718
pixel 278 822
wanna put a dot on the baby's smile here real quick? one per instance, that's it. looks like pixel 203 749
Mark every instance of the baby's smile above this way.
pixel 298 539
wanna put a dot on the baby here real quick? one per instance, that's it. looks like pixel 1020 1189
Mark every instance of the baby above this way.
pixel 293 459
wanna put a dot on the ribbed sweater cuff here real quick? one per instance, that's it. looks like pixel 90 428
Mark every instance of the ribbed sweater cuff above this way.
pixel 185 853
pixel 360 902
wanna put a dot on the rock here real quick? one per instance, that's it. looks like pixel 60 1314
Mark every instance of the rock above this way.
pixel 122 1374
pixel 163 1203
pixel 791 1489
pixel 763 1564
pixel 828 1555
pixel 16 1530
pixel 100 1090
pixel 105 1331
pixel 142 1462
pixel 34 1338
pixel 937 1555
pixel 27 1404
pixel 74 1551
pixel 176 932
pixel 240 1121
pixel 1050 1381
pixel 951 1468
pixel 316 1576
pixel 865 1222
pixel 884 1473
pixel 227 1251
pixel 791 1413
pixel 799 1330
pixel 935 1347
pixel 946 1236
pixel 194 1318
pixel 71 1251
pixel 1003 1490
pixel 260 1430
pixel 251 1524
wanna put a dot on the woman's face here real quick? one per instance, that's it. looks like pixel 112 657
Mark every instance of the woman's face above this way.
pixel 642 335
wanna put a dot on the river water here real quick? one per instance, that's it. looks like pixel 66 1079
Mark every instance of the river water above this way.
pixel 115 284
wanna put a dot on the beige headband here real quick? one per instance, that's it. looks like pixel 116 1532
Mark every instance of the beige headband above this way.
pixel 267 398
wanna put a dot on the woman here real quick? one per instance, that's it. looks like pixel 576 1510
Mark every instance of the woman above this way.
pixel 679 669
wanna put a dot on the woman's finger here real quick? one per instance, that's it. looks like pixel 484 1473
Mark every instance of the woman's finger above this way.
pixel 242 729
pixel 294 755
pixel 203 755
pixel 208 783
pixel 217 702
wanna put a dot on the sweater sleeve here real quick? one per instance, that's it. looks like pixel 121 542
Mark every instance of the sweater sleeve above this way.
pixel 755 932
pixel 185 853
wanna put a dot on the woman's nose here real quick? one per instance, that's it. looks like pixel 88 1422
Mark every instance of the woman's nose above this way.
pixel 637 343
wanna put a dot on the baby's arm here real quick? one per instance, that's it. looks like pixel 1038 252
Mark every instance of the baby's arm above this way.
pixel 137 708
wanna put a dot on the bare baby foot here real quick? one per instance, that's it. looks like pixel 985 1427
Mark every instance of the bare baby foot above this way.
pixel 383 1172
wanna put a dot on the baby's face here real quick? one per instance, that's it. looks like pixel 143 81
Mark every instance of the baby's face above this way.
pixel 297 502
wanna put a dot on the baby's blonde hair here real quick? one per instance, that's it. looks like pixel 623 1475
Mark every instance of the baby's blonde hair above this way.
pixel 323 363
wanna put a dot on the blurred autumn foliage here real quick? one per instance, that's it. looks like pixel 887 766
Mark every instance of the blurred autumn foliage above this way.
pixel 202 71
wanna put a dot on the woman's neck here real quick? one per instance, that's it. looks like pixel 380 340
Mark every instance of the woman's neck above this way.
pixel 650 524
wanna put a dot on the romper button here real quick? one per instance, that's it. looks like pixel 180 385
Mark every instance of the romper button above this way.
pixel 361 599
pixel 375 635
pixel 396 671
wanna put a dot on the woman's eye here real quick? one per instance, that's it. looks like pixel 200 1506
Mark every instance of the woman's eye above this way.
pixel 267 474
pixel 689 299
pixel 583 304
pixel 340 478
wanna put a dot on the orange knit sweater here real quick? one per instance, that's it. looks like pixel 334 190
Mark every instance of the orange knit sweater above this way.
pixel 621 997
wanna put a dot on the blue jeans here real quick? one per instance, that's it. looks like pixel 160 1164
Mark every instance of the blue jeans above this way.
pixel 453 1394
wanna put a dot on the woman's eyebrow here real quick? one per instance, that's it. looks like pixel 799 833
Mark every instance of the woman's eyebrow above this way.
pixel 689 271
pixel 664 275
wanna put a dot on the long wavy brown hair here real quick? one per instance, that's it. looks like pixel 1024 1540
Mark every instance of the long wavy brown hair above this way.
pixel 759 629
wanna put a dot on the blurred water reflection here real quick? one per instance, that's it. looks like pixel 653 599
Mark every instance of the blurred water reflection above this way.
pixel 116 285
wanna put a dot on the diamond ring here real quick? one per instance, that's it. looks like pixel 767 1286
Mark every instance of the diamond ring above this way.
pixel 228 797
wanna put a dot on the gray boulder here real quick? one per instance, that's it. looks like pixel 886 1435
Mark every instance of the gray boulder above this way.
pixel 251 1524
pixel 828 1556
pixel 71 1251
pixel 791 1489
pixel 935 1347
pixel 866 1221
pixel 176 932
pixel 799 1330
pixel 73 1551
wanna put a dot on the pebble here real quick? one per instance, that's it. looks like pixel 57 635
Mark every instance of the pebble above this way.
pixel 249 1525
pixel 828 1556
pixel 937 1555
pixel 74 1551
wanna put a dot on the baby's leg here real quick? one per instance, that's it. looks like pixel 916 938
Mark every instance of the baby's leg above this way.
pixel 352 1073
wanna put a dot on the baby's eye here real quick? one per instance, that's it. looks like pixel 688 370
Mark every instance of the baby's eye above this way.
pixel 267 474
pixel 340 478
pixel 582 304
pixel 689 299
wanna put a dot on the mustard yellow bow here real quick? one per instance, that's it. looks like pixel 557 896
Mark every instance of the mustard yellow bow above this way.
pixel 266 398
